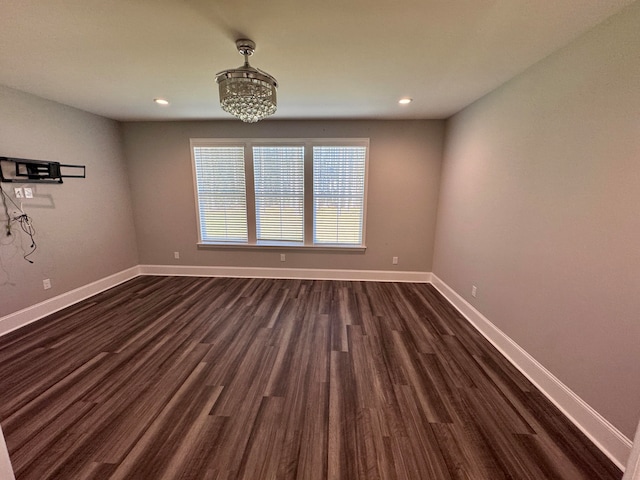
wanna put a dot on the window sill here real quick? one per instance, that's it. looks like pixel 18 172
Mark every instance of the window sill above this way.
pixel 283 246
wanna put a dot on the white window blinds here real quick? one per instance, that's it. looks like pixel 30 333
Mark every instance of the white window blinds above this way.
pixel 222 206
pixel 279 193
pixel 338 194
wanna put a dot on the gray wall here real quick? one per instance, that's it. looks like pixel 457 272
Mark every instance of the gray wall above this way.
pixel 404 172
pixel 539 208
pixel 84 227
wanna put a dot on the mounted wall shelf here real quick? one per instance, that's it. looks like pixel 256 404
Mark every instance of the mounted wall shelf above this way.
pixel 37 171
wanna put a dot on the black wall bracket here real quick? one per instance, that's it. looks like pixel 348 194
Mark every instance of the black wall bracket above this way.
pixel 37 171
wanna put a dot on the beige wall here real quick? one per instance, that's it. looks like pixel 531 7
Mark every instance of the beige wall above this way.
pixel 404 171
pixel 84 227
pixel 540 208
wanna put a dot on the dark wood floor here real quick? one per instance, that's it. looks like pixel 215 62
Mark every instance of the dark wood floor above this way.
pixel 200 378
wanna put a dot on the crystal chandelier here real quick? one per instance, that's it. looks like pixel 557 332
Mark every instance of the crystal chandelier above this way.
pixel 246 92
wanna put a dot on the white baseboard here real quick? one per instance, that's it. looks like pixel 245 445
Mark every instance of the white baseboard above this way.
pixel 604 435
pixel 287 273
pixel 30 314
pixel 6 472
pixel 633 465
pixel 23 317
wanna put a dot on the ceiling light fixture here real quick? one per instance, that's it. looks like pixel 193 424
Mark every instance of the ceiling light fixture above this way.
pixel 405 101
pixel 161 101
pixel 246 92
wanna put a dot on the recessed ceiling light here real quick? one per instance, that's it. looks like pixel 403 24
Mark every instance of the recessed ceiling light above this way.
pixel 404 101
pixel 161 101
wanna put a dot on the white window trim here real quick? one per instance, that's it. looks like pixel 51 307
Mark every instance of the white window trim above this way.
pixel 308 143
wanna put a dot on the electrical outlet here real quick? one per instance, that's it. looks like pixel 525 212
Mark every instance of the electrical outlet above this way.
pixel 283 257
pixel 176 255
pixel 46 283
pixel 474 291
pixel 394 260
pixel 18 192
pixel 28 192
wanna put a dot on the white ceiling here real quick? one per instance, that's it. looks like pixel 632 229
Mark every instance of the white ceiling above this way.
pixel 332 58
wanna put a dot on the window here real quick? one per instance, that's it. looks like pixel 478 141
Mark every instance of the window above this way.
pixel 281 192
pixel 278 174
pixel 220 181
pixel 338 194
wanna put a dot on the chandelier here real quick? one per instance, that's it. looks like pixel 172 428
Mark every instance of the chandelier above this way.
pixel 246 92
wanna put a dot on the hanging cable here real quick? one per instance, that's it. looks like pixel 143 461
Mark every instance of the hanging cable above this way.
pixel 27 227
pixel 4 195
pixel 23 220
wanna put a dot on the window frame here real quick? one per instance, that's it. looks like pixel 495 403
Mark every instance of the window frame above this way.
pixel 308 225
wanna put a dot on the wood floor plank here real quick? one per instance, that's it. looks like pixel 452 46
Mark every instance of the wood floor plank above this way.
pixel 166 444
pixel 229 378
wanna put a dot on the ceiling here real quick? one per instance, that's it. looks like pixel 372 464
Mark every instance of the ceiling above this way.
pixel 332 58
